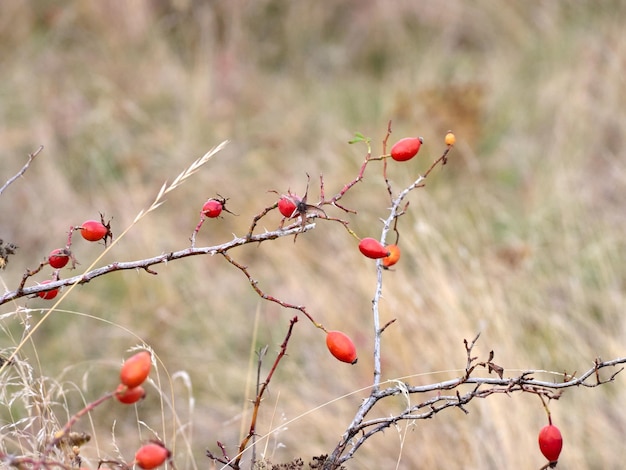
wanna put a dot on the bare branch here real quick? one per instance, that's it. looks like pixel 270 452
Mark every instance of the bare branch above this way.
pixel 255 285
pixel 482 388
pixel 31 157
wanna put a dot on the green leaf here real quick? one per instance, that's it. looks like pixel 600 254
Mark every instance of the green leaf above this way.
pixel 358 137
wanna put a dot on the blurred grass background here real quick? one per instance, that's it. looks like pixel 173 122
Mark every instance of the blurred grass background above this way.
pixel 520 237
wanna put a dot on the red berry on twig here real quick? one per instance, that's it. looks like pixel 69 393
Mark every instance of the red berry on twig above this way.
pixel 152 455
pixel 128 396
pixel 406 148
pixel 288 206
pixel 48 295
pixel 93 231
pixel 136 369
pixel 59 258
pixel 372 248
pixel 550 442
pixel 341 346
pixel 214 206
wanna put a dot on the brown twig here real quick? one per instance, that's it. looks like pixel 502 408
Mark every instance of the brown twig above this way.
pixel 257 402
pixel 261 354
pixel 23 462
pixel 59 435
pixel 255 285
pixel 258 217
pixel 334 200
pixel 225 459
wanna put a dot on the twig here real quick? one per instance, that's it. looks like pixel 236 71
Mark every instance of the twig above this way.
pixel 68 426
pixel 261 354
pixel 257 401
pixel 31 157
pixel 258 217
pixel 385 140
pixel 255 285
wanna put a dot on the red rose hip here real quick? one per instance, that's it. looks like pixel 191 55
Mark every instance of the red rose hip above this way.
pixel 136 369
pixel 372 248
pixel 58 258
pixel 128 396
pixel 50 294
pixel 406 148
pixel 341 346
pixel 151 456
pixel 287 207
pixel 93 231
pixel 550 442
pixel 212 208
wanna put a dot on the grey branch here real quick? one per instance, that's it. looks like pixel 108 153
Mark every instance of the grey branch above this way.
pixel 31 157
pixel 145 264
pixel 481 387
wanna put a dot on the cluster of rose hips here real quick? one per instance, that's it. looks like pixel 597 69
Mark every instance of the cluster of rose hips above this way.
pixel 550 439
pixel 291 206
pixel 338 343
pixel 133 374
pixel 90 230
pixel 136 369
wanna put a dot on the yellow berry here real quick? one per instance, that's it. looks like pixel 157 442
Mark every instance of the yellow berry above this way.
pixel 450 138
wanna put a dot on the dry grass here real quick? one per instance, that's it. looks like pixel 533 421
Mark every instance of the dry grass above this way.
pixel 519 237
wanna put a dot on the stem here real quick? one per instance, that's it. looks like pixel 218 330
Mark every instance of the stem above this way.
pixel 31 157
pixel 255 285
pixel 68 426
pixel 257 401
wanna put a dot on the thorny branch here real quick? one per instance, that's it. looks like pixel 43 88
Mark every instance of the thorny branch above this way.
pixel 461 390
pixel 479 387
pixel 146 264
pixel 255 285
